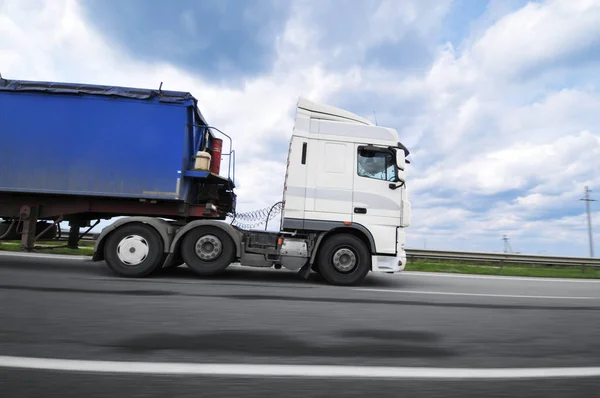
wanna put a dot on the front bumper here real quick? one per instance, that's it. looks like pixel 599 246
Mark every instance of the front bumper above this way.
pixel 389 264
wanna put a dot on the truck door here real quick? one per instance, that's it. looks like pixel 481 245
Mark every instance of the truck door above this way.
pixel 294 194
pixel 332 180
pixel 376 204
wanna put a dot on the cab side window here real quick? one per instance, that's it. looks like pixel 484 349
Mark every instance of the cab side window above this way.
pixel 376 164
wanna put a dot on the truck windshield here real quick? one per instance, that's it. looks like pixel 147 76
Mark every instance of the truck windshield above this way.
pixel 376 164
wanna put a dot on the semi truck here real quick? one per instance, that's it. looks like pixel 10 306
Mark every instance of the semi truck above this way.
pixel 149 160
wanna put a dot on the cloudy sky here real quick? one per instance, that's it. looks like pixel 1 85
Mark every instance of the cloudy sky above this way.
pixel 498 101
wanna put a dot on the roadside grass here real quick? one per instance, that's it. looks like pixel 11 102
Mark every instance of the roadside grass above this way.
pixel 481 268
pixel 86 248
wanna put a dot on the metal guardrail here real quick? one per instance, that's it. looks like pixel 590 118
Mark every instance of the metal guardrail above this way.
pixel 87 237
pixel 501 258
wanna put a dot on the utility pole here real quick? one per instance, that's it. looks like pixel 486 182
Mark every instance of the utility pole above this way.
pixel 587 201
pixel 507 248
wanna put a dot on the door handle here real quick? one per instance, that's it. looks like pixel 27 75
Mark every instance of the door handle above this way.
pixel 360 210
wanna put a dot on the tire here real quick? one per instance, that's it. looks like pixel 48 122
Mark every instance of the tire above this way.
pixel 176 264
pixel 216 257
pixel 351 255
pixel 134 250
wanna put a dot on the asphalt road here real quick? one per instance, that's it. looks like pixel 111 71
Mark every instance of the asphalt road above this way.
pixel 75 309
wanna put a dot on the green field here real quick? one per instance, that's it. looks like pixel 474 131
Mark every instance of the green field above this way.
pixel 456 267
pixel 86 248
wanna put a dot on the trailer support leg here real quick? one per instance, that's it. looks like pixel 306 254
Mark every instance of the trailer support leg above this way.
pixel 29 215
pixel 74 235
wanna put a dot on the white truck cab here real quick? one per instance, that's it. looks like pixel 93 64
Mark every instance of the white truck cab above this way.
pixel 346 174
pixel 345 208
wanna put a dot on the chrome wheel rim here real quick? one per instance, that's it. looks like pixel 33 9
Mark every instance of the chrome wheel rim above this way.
pixel 133 250
pixel 208 247
pixel 344 260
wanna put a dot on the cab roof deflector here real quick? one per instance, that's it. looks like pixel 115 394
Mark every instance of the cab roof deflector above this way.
pixel 327 112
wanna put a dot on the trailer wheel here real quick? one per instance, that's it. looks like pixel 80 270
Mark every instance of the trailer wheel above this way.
pixel 344 260
pixel 134 250
pixel 207 250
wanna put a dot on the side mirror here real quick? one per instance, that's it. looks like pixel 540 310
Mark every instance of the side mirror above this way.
pixel 394 186
pixel 402 153
pixel 400 160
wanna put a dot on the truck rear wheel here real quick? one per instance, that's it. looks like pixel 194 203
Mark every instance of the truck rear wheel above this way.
pixel 344 260
pixel 134 250
pixel 207 250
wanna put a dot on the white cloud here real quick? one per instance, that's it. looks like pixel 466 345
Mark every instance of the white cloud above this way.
pixel 511 117
pixel 549 176
pixel 538 35
pixel 391 19
pixel 523 43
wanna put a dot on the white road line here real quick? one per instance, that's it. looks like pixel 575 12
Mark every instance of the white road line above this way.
pixel 45 256
pixel 510 278
pixel 301 371
pixel 477 294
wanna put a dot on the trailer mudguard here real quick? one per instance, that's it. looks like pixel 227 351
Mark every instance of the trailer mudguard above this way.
pixel 235 235
pixel 165 230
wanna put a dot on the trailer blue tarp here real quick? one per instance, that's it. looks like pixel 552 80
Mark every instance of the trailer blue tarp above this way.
pixel 78 139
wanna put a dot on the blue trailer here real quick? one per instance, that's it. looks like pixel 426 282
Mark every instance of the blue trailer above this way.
pixel 80 152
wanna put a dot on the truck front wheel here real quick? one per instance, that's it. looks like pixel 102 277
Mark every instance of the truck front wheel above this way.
pixel 134 250
pixel 344 260
pixel 207 250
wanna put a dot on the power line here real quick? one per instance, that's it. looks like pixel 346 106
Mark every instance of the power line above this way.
pixel 587 201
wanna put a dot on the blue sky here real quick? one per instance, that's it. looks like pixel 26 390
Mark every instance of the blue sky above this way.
pixel 226 40
pixel 498 100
